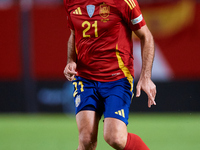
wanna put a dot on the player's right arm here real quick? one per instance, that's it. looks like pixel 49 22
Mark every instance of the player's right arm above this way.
pixel 70 69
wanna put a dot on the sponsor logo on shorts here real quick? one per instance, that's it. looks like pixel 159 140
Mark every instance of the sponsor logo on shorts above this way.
pixel 120 112
pixel 137 20
pixel 78 100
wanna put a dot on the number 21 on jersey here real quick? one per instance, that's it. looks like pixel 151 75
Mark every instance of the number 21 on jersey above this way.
pixel 87 26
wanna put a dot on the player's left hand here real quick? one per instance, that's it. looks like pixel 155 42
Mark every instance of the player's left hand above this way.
pixel 149 88
pixel 69 71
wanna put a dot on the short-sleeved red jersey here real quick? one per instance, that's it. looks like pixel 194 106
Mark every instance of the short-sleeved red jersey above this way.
pixel 103 37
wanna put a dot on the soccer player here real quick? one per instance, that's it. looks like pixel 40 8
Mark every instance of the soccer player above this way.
pixel 100 66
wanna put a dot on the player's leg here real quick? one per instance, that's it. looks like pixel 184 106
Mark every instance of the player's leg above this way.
pixel 88 112
pixel 134 142
pixel 87 122
pixel 117 104
pixel 115 133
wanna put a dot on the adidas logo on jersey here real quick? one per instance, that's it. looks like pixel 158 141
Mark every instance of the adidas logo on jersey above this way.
pixel 120 112
pixel 77 11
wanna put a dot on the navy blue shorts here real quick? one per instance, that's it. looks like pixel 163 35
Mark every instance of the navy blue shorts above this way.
pixel 112 99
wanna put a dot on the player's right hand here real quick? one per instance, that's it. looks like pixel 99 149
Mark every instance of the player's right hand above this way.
pixel 70 71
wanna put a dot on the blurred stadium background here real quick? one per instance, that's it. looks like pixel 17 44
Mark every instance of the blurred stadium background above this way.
pixel 33 54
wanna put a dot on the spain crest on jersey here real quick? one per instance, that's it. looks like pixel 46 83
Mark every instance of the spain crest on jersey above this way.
pixel 104 10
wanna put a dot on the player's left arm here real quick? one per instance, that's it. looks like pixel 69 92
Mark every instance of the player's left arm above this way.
pixel 147 50
pixel 132 15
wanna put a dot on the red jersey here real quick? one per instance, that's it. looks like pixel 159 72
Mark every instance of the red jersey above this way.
pixel 103 37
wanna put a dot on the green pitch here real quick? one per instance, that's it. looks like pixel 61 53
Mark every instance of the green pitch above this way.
pixel 160 131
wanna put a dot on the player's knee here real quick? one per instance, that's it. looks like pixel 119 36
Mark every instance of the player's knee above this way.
pixel 88 140
pixel 115 140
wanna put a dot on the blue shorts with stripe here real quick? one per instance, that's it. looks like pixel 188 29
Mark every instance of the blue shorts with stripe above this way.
pixel 112 99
